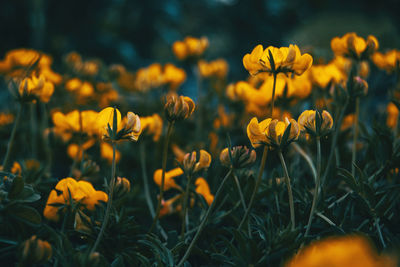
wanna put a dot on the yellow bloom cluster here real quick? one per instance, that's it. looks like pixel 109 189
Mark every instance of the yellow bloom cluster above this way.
pixel 276 60
pixel 17 61
pixel 65 125
pixel 355 47
pixel 88 68
pixel 33 88
pixel 388 61
pixel 152 125
pixel 169 181
pixel 190 47
pixel 80 191
pixel 156 75
pixel 353 251
pixel 217 68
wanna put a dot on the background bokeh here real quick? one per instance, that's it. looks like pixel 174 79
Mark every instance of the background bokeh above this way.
pixel 136 33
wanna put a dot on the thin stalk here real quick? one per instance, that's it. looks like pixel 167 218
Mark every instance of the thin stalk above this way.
pixel 273 94
pixel 203 222
pixel 289 188
pixel 200 102
pixel 239 190
pixel 378 228
pixel 6 161
pixel 334 141
pixel 355 137
pixel 396 126
pixel 185 200
pixel 33 121
pixel 317 185
pixel 145 179
pixel 109 203
pixel 307 158
pixel 80 149
pixel 164 165
pixel 258 182
pixel 46 137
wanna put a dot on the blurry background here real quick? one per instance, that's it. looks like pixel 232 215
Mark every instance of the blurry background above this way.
pixel 137 32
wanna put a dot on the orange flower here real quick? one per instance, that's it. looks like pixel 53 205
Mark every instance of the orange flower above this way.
pixel 169 181
pixel 106 152
pixel 192 165
pixel 36 88
pixel 308 122
pixel 217 68
pixel 203 189
pixel 65 125
pixel 393 115
pixel 353 46
pixel 388 61
pixel 190 47
pixel 152 125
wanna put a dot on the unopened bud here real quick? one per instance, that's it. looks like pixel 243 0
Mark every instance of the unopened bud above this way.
pixel 192 165
pixel 178 108
pixel 360 86
pixel 36 250
pixel 241 157
pixel 122 187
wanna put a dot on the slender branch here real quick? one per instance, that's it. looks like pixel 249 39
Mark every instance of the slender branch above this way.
pixel 355 137
pixel 317 185
pixel 185 200
pixel 378 228
pixel 145 179
pixel 109 203
pixel 239 190
pixel 6 161
pixel 203 222
pixel 307 158
pixel 258 182
pixel 164 165
pixel 289 188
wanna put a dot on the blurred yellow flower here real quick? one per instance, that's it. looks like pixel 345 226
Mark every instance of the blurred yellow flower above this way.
pixel 152 125
pixel 65 125
pixel 203 189
pixel 352 46
pixel 6 119
pixel 173 76
pixel 169 181
pixel 81 88
pixel 33 88
pixel 277 60
pixel 106 152
pixel 80 191
pixel 354 251
pixel 392 115
pixel 388 61
pixel 322 75
pixel 217 68
pixel 73 149
pixel 190 47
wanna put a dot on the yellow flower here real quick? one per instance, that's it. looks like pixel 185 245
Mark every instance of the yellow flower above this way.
pixel 240 157
pixel 352 46
pixel 276 130
pixel 257 132
pixel 65 125
pixel 353 251
pixel 276 60
pixel 152 125
pixel 308 122
pixel 322 75
pixel 6 119
pixel 128 129
pixel 73 149
pixel 36 88
pixel 190 47
pixel 80 191
pixel 122 187
pixel 106 152
pixel 393 115
pixel 173 76
pixel 169 181
pixel 217 68
pixel 178 108
pixel 150 77
pixel 81 88
pixel 191 164
pixel 203 189
pixel 388 61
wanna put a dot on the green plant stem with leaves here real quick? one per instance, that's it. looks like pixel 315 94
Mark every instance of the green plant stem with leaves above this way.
pixel 355 136
pixel 257 185
pixel 185 204
pixel 289 188
pixel 109 203
pixel 145 178
pixel 6 161
pixel 204 221
pixel 164 165
pixel 317 185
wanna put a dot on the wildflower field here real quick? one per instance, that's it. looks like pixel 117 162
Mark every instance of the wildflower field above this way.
pixel 295 165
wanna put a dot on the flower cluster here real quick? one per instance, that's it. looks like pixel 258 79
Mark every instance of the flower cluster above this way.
pixel 190 47
pixel 217 68
pixel 355 47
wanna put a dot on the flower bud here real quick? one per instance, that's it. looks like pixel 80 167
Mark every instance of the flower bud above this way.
pixel 35 250
pixel 309 123
pixel 360 86
pixel 242 157
pixel 178 108
pixel 122 187
pixel 192 165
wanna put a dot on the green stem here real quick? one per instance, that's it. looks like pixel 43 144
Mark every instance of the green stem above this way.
pixel 203 222
pixel 355 137
pixel 334 141
pixel 258 182
pixel 307 158
pixel 378 228
pixel 396 126
pixel 34 127
pixel 273 94
pixel 239 190
pixel 289 188
pixel 145 179
pixel 164 165
pixel 317 185
pixel 109 203
pixel 6 161
pixel 46 137
pixel 185 204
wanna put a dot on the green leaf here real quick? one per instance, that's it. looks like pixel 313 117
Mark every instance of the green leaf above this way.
pixel 286 135
pixel 25 213
pixel 16 187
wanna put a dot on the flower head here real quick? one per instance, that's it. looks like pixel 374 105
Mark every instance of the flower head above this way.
pixel 388 61
pixel 239 157
pixel 169 181
pixel 315 123
pixel 190 47
pixel 35 250
pixel 276 60
pixel 152 125
pixel 33 88
pixel 191 164
pixel 355 47
pixel 178 108
pixel 203 189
